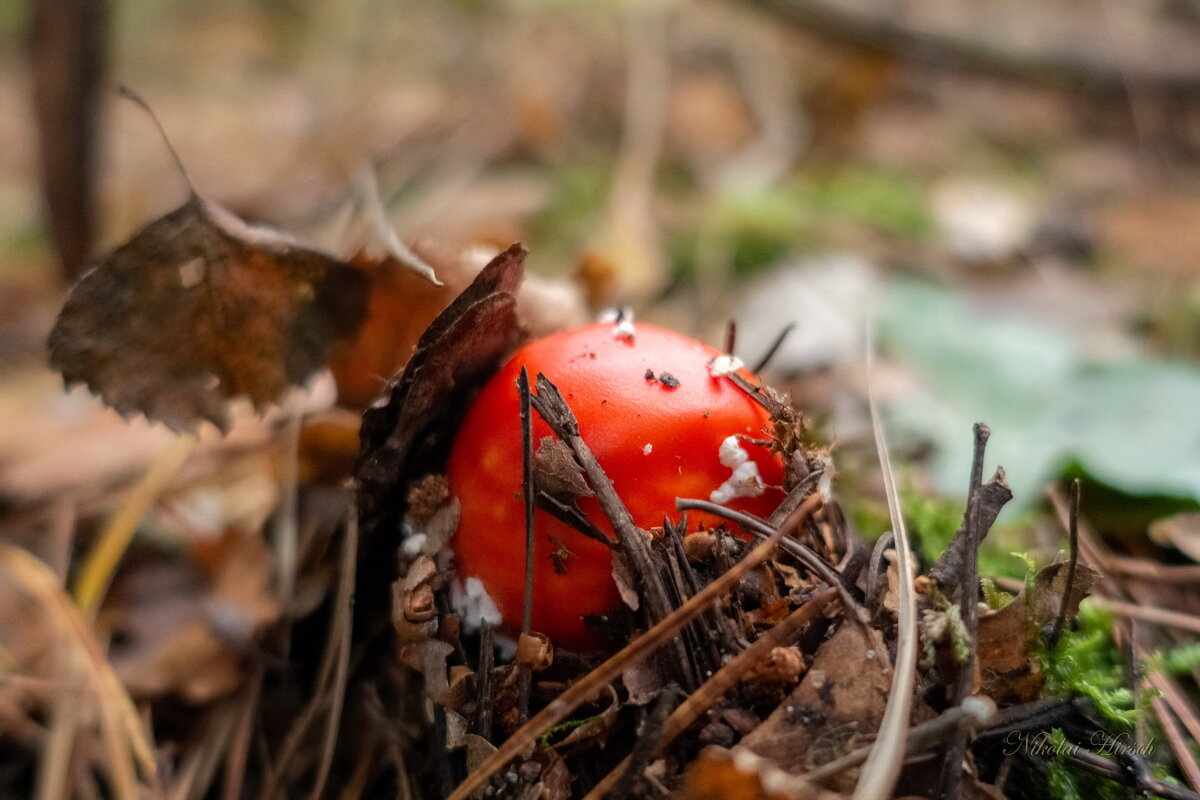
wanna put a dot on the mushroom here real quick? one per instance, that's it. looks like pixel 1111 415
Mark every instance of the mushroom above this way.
pixel 662 423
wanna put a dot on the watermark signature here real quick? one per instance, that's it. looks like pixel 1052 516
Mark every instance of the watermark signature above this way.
pixel 1043 744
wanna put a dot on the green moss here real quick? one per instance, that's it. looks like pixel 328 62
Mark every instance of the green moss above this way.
pixel 1087 662
pixel 1062 779
pixel 1176 661
pixel 562 730
pixel 995 598
pixel 932 522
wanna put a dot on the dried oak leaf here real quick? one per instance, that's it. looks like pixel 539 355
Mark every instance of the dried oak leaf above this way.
pixel 198 308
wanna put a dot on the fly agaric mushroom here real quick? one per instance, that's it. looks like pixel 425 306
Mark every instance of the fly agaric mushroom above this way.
pixel 662 422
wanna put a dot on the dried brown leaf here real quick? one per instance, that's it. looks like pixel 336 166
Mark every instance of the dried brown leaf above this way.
pixel 1008 673
pixel 837 706
pixel 402 304
pixel 458 349
pixel 535 650
pixel 597 727
pixel 556 472
pixel 198 308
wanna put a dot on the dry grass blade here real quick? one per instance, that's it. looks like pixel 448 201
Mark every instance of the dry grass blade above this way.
pixel 882 767
pixel 102 559
pixel 343 625
pixel 721 682
pixel 330 686
pixel 130 750
pixel 55 763
pixel 629 655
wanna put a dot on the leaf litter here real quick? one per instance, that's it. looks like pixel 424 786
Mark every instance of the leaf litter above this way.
pixel 199 308
pixel 784 672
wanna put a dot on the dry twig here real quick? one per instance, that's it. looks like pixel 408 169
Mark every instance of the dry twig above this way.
pixel 632 653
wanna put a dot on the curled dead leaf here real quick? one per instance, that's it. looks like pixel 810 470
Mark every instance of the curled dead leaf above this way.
pixel 535 650
pixel 464 343
pixel 199 308
pixel 461 690
pixel 414 607
pixel 596 727
pixel 1008 673
pixel 556 472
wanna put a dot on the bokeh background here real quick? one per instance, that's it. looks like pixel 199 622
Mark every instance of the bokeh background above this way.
pixel 1009 193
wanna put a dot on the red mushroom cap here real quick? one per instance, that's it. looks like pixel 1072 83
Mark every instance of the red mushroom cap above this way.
pixel 656 418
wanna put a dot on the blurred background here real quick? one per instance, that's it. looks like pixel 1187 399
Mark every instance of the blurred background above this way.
pixel 1011 191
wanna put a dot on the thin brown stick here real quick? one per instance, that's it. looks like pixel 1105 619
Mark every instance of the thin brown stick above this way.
pixel 578 693
pixel 483 719
pixel 1094 552
pixel 557 413
pixel 723 680
pixel 327 676
pixel 239 745
pixel 1177 741
pixel 920 737
pixel 554 410
pixel 1146 568
pixel 956 747
pixel 761 529
pixel 649 742
pixel 1151 614
pixel 529 493
pixel 572 516
pixel 69 45
pixel 777 343
pixel 1178 701
pixel 1073 532
pixel 1145 784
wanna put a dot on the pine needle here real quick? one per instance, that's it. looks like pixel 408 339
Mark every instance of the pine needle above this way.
pixel 101 562
pixel 882 767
